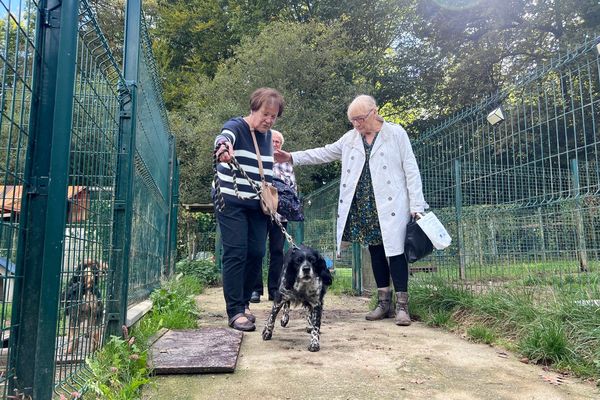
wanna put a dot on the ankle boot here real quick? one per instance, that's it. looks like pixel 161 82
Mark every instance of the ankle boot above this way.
pixel 383 305
pixel 402 317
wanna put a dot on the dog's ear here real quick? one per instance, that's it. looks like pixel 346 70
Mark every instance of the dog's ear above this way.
pixel 290 269
pixel 324 271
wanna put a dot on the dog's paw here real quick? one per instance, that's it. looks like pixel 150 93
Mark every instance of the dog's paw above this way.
pixel 267 334
pixel 285 320
pixel 314 346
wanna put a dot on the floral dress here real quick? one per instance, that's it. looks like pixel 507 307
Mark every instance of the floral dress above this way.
pixel 362 225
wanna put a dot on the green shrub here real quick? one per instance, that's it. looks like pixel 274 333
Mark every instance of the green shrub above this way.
pixel 118 371
pixel 205 271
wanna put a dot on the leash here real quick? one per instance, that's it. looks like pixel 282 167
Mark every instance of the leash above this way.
pixel 255 186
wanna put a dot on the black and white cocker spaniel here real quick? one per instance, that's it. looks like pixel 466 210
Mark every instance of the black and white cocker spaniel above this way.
pixel 304 280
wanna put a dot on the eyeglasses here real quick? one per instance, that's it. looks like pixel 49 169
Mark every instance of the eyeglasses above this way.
pixel 360 118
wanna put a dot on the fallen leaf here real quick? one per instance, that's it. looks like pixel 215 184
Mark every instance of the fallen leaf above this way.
pixel 524 360
pixel 552 380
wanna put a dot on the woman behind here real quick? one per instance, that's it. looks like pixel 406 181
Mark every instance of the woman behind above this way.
pixel 380 188
pixel 284 172
pixel 242 222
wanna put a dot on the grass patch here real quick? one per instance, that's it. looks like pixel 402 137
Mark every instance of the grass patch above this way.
pixel 342 282
pixel 559 331
pixel 442 318
pixel 481 334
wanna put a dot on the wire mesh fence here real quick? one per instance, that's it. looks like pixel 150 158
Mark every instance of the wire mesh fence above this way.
pixel 519 194
pixel 152 182
pixel 17 45
pixel 85 272
pixel 89 191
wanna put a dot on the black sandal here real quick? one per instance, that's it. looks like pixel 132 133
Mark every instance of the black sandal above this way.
pixel 241 326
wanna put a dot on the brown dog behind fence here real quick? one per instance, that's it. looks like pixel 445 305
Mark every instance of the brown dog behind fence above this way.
pixel 82 299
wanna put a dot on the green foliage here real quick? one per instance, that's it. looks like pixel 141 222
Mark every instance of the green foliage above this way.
pixel 118 371
pixel 422 60
pixel 196 232
pixel 481 334
pixel 486 44
pixel 342 282
pixel 441 318
pixel 546 342
pixel 173 305
pixel 317 86
pixel 205 271
pixel 560 331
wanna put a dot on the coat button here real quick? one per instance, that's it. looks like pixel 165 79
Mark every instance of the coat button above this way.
pixel 393 214
pixel 341 201
pixel 348 171
pixel 344 185
pixel 385 167
pixel 352 158
pixel 381 153
pixel 388 182
pixel 389 198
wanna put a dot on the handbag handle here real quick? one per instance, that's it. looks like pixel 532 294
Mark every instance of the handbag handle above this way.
pixel 258 157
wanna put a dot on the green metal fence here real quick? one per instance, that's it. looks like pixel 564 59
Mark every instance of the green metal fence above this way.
pixel 89 190
pixel 521 198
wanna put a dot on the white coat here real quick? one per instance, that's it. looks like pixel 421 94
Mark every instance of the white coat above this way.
pixel 395 177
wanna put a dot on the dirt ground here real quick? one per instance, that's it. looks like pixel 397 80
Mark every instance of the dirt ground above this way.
pixel 363 360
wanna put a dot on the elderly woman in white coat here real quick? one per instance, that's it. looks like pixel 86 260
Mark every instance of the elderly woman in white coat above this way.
pixel 380 189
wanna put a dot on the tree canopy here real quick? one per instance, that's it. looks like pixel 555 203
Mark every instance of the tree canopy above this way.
pixel 422 60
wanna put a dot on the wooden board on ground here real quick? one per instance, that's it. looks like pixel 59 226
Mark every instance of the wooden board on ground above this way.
pixel 196 351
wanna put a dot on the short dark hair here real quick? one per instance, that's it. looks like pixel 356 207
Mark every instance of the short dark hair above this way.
pixel 264 95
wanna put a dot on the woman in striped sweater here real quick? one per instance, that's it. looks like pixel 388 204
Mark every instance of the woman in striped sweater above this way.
pixel 242 222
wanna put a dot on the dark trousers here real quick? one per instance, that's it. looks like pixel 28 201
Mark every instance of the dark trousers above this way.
pixel 276 242
pixel 244 235
pixel 397 267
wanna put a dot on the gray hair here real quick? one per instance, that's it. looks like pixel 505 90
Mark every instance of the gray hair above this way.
pixel 274 132
pixel 363 100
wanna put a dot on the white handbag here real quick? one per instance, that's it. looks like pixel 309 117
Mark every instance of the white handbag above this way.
pixel 435 231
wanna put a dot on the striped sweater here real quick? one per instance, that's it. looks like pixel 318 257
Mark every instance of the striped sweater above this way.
pixel 237 131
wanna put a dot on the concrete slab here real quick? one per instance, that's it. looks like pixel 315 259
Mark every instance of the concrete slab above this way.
pixel 197 351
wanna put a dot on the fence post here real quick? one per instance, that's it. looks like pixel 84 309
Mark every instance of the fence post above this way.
pixel 44 202
pixel 459 229
pixel 123 213
pixel 357 268
pixel 173 211
pixel 542 234
pixel 579 225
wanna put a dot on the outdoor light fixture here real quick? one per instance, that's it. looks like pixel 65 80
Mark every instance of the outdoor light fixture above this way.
pixel 598 48
pixel 496 116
